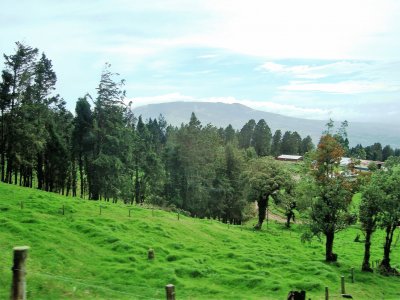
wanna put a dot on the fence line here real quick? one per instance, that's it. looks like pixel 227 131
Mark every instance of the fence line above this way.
pixel 92 284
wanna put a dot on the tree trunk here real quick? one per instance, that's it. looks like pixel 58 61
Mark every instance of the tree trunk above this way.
pixel 2 149
pixel 3 166
pixel 262 209
pixel 31 178
pixel 385 264
pixel 289 216
pixel 39 171
pixel 329 255
pixel 137 186
pixel 81 173
pixel 9 170
pixel 21 174
pixel 73 177
pixel 365 265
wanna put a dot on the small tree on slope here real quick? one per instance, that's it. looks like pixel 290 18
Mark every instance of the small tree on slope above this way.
pixel 264 177
pixel 333 193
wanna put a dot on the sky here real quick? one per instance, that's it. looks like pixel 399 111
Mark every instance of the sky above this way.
pixel 315 59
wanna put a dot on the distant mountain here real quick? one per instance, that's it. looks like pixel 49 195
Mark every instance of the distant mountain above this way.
pixel 221 115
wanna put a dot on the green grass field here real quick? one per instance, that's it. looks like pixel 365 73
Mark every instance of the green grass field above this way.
pixel 84 255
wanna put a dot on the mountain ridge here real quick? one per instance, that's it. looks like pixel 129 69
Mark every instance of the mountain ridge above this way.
pixel 221 115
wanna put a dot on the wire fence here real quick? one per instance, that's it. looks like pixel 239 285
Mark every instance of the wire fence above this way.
pixel 97 285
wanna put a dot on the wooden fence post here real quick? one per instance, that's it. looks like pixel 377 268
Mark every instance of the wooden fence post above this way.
pixel 22 204
pixel 100 209
pixel 326 293
pixel 178 215
pixel 18 287
pixel 150 254
pixel 352 275
pixel 170 290
pixel 342 285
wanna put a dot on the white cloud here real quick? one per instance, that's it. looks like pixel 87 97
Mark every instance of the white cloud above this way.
pixel 207 56
pixel 344 87
pixel 307 29
pixel 315 72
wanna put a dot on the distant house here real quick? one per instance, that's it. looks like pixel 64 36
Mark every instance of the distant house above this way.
pixel 292 158
pixel 362 164
pixel 345 161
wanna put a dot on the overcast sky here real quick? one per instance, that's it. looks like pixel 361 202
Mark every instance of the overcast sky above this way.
pixel 313 59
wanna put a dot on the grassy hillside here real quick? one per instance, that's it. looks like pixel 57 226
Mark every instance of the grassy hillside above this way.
pixel 84 255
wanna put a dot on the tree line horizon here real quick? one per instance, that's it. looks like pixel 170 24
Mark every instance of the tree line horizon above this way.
pixel 42 142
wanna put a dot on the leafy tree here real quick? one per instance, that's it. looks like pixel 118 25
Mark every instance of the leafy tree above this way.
pixel 226 202
pixel 390 218
pixel 370 209
pixel 286 145
pixel 291 143
pixel 58 175
pixel 192 152
pixel 149 171
pixel 245 136
pixel 262 178
pixel 296 142
pixel 105 169
pixel 44 84
pixel 21 66
pixel 375 152
pixel 387 152
pixel 287 200
pixel 276 143
pixel 82 138
pixel 333 193
pixel 306 145
pixel 229 134
pixel 342 137
pixel 262 138
pixel 329 127
pixel 358 152
pixel 5 100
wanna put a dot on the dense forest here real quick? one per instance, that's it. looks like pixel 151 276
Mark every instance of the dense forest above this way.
pixel 104 152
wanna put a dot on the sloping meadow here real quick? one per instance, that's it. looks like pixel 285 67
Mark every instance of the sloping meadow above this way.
pixel 82 249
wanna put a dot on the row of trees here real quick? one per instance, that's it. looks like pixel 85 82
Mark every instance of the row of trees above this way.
pixel 374 152
pixel 105 152
pixel 258 135
pixel 35 126
pixel 324 192
pixel 380 208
